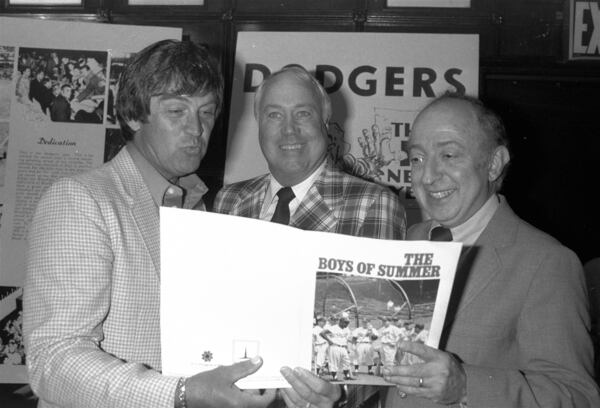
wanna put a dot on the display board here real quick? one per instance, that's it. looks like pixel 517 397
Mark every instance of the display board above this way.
pixel 57 86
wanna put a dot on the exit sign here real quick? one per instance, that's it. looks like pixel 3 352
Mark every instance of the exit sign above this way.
pixel 584 29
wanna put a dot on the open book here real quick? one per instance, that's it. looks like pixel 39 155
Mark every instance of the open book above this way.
pixel 233 288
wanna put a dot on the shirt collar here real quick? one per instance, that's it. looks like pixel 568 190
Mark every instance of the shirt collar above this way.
pixel 190 187
pixel 300 190
pixel 469 231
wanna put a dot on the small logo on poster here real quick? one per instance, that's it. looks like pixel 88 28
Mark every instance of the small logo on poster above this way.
pixel 207 356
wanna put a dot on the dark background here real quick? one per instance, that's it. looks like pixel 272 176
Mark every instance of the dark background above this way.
pixel 550 104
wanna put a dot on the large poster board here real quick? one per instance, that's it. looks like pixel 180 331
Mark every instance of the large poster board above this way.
pixel 57 87
pixel 261 284
pixel 377 83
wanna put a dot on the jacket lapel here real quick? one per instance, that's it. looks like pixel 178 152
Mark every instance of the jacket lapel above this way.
pixel 251 204
pixel 146 216
pixel 315 212
pixel 482 262
pixel 143 209
pixel 477 265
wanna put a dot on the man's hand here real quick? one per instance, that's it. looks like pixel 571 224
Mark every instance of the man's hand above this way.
pixel 308 390
pixel 216 388
pixel 440 378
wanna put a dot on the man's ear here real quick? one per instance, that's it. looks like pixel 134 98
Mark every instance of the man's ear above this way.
pixel 134 125
pixel 499 160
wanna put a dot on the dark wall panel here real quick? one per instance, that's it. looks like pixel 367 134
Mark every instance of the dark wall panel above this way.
pixel 555 135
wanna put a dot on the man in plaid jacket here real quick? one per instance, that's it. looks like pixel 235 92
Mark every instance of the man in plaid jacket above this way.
pixel 293 112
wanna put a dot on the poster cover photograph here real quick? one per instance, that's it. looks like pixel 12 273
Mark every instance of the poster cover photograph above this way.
pixel 359 320
pixel 334 303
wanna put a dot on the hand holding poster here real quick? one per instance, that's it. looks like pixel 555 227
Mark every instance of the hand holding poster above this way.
pixel 233 288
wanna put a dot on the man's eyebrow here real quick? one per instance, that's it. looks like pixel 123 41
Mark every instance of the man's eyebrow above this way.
pixel 212 102
pixel 445 143
pixel 300 105
pixel 181 97
pixel 163 96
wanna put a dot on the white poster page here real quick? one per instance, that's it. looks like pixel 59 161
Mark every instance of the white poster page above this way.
pixel 377 83
pixel 233 288
pixel 56 105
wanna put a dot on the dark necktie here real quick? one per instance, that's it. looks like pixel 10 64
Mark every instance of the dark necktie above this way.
pixel 282 211
pixel 440 233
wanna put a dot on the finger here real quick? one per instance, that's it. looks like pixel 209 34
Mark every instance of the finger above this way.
pixel 415 370
pixel 317 384
pixel 290 397
pixel 418 349
pixel 309 386
pixel 407 382
pixel 298 386
pixel 244 368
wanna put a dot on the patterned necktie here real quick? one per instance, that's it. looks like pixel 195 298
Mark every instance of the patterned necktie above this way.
pixel 282 211
pixel 440 233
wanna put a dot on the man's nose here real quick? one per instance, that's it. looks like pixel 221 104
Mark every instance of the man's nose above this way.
pixel 431 171
pixel 289 126
pixel 194 125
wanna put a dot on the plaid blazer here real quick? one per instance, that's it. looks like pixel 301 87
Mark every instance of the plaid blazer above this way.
pixel 520 325
pixel 92 293
pixel 336 202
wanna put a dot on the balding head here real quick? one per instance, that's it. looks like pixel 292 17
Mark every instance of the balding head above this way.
pixel 458 155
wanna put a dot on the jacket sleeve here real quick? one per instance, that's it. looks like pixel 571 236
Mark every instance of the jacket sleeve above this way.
pixel 67 298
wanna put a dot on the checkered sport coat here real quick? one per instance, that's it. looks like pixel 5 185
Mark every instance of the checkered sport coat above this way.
pixel 91 301
pixel 336 202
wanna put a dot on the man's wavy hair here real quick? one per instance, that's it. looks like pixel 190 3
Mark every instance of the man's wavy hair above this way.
pixel 165 67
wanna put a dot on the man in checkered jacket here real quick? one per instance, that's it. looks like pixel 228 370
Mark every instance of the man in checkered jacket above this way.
pixel 92 291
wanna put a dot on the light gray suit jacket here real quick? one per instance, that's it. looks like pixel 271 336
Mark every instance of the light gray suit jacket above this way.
pixel 91 302
pixel 521 325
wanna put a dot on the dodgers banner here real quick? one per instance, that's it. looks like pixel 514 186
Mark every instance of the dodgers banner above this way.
pixel 377 83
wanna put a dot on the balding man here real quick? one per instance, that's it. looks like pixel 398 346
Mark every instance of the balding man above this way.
pixel 516 333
